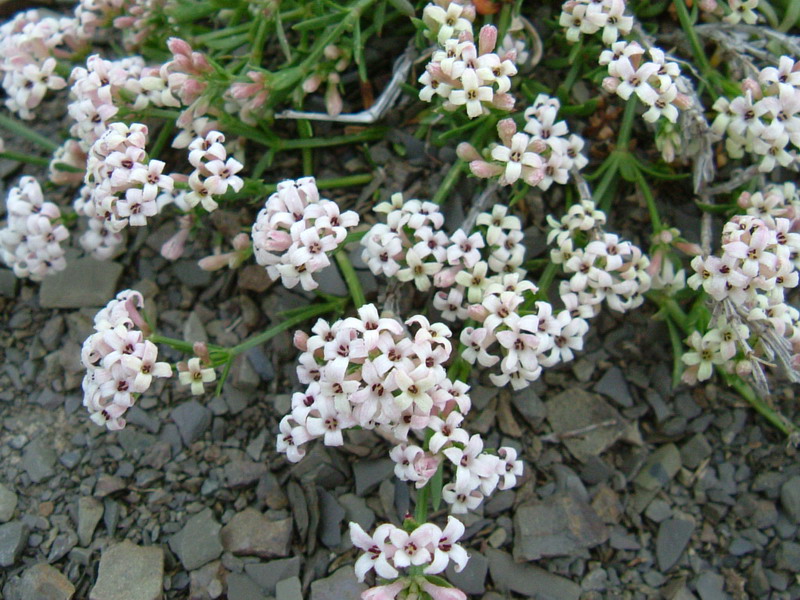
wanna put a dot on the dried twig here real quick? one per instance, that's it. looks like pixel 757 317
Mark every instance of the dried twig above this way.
pixel 580 432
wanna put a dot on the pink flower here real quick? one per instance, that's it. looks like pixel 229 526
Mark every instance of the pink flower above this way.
pixel 377 552
pixel 443 593
pixel 447 549
pixel 414 548
pixel 385 592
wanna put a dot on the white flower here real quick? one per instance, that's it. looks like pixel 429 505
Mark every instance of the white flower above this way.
pixel 196 376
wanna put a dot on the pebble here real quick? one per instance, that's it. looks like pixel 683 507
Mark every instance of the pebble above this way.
pixel 13 537
pixel 709 586
pixel 8 283
pixel 788 557
pixel 342 584
pixel 250 533
pixel 242 473
pixel 190 274
pixel 472 579
pixel 673 536
pixel 206 583
pixel 129 572
pixel 39 460
pixel 267 575
pixel 241 587
pixel 198 542
pixel 8 503
pixel 90 511
pixel 529 580
pixel 331 516
pixel 563 524
pixel 369 473
pixel 695 451
pixel 657 472
pixel 289 589
pixel 270 492
pixel 192 420
pixel 790 498
pixel 613 385
pixel 577 409
pixel 86 282
pixel 357 511
pixel 43 582
pixel 658 510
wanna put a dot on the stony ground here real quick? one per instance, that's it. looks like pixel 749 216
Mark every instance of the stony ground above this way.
pixel 632 489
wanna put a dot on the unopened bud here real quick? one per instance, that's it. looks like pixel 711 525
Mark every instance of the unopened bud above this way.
pixel 610 84
pixel 466 151
pixel 300 340
pixel 173 248
pixel 312 84
pixel 484 170
pixel 683 101
pixel 332 52
pixel 708 6
pixel 487 39
pixel 478 312
pixel 752 86
pixel 506 130
pixel 215 262
pixel 744 368
pixel 503 101
pixel 241 242
pixel 200 350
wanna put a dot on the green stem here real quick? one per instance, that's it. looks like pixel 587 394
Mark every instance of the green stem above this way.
pixel 22 130
pixel 25 158
pixel 421 510
pixel 180 345
pixel 546 280
pixel 790 17
pixel 448 182
pixel 367 135
pixel 307 133
pixel 351 278
pixel 655 218
pixel 312 311
pixel 697 48
pixel 258 43
pixel 624 136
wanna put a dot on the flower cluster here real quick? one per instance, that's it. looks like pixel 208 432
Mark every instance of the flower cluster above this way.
pixel 122 186
pixel 213 171
pixel 120 362
pixel 765 119
pixel 329 72
pixel 749 281
pixel 302 228
pixel 543 154
pixel 581 17
pixel 653 81
pixel 31 241
pixel 367 371
pixel 776 201
pixel 462 73
pixel 29 44
pixel 606 268
pixel 411 246
pixel 733 12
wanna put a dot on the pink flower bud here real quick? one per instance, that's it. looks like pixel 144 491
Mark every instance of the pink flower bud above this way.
pixel 610 84
pixel 300 340
pixel 443 593
pixel 484 169
pixel 136 317
pixel 332 52
pixel 744 200
pixel 445 278
pixel 506 130
pixel 683 101
pixel 241 242
pixel 487 39
pixel 503 101
pixel 477 312
pixel 466 151
pixel 469 12
pixel 510 55
pixel 174 246
pixel 385 592
pixel 200 350
pixel 215 262
pixel 333 100
pixel 752 86
pixel 179 47
pixel 312 84
pixel 744 368
pixel 708 6
pixel 689 248
pixel 538 146
pixel 425 465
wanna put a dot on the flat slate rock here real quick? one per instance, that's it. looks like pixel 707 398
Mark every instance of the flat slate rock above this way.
pixel 198 542
pixel 613 385
pixel 561 525
pixel 790 498
pixel 267 575
pixel 659 469
pixel 673 536
pixel 43 582
pixel 472 579
pixel 342 584
pixel 13 537
pixel 578 409
pixel 130 572
pixel 39 460
pixel 529 580
pixel 241 587
pixel 369 474
pixel 250 533
pixel 8 503
pixel 90 511
pixel 192 419
pixel 85 282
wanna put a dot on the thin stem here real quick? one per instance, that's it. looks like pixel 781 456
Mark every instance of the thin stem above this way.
pixel 655 218
pixel 312 311
pixel 351 278
pixel 448 182
pixel 697 48
pixel 367 135
pixel 180 345
pixel 421 510
pixel 624 136
pixel 745 391
pixel 26 132
pixel 258 43
pixel 25 158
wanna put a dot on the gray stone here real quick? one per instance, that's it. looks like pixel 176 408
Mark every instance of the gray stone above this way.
pixel 241 587
pixel 190 274
pixel 577 409
pixel 13 537
pixel 357 511
pixel 192 419
pixel 472 579
pixel 695 451
pixel 129 572
pixel 90 511
pixel 673 535
pixel 370 473
pixel 658 510
pixel 193 329
pixel 242 473
pixel 342 584
pixel 43 582
pixel 8 283
pixel 331 516
pixel 256 446
pixel 709 586
pixel 788 557
pixel 267 575
pixel 198 542
pixel 529 580
pixel 741 546
pixel 85 282
pixel 206 583
pixel 250 533
pixel 561 525
pixel 613 385
pixel 657 472
pixel 39 460
pixel 8 503
pixel 270 492
pixel 289 589
pixel 790 498
pixel 530 406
